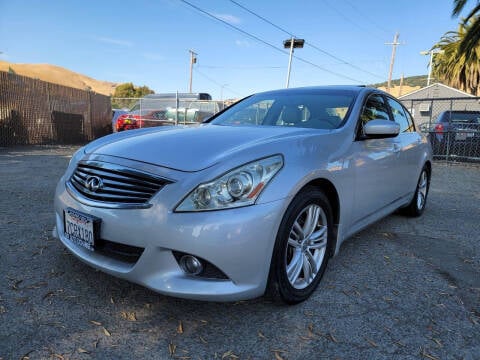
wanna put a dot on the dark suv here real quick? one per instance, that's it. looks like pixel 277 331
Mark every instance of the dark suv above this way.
pixel 457 132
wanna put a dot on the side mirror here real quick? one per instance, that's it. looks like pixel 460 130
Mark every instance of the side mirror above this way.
pixel 381 129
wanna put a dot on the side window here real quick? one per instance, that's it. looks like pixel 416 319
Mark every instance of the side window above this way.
pixel 400 116
pixel 375 108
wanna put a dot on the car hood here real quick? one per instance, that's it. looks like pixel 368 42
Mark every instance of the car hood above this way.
pixel 190 148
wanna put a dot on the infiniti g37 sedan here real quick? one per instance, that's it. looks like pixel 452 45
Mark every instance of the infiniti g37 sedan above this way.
pixel 254 201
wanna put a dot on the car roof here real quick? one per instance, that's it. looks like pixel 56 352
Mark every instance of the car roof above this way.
pixel 357 89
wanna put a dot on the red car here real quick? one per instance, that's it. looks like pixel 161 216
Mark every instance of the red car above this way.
pixel 140 119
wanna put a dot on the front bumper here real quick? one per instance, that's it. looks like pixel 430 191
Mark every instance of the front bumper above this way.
pixel 239 242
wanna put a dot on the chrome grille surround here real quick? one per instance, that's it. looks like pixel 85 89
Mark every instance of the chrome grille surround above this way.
pixel 120 187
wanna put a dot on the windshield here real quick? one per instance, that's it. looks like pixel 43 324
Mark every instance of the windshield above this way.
pixel 323 109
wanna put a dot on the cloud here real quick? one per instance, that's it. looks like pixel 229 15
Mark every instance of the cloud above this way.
pixel 153 56
pixel 118 42
pixel 229 18
pixel 242 43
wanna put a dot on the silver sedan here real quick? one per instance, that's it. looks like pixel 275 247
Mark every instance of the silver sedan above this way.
pixel 256 200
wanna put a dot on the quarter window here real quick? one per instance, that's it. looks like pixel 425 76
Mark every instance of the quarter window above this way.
pixel 400 116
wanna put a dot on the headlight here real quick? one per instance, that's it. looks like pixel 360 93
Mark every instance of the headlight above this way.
pixel 238 187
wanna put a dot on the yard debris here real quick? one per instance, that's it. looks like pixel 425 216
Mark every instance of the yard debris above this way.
pixel 229 354
pixel 171 348
pixel 371 342
pixel 130 316
pixel 203 340
pixel 330 335
pixel 180 328
pixel 260 335
pixel 277 356
pixel 427 355
pixel 96 323
pixel 83 351
pixel 106 332
pixel 15 284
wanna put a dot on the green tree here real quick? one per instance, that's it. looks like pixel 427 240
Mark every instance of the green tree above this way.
pixel 125 95
pixel 454 66
pixel 471 40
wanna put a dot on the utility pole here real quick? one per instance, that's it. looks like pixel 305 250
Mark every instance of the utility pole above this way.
pixel 193 60
pixel 401 86
pixel 392 60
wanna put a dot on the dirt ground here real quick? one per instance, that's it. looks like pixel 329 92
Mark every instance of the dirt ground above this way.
pixel 402 289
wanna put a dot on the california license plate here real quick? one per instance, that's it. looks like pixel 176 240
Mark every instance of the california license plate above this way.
pixel 80 228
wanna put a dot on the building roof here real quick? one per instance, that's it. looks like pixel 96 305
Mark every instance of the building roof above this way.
pixel 435 85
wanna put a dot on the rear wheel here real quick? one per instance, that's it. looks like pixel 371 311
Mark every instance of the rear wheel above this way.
pixel 419 201
pixel 302 247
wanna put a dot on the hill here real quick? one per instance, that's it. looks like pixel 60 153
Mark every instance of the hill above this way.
pixel 410 84
pixel 59 75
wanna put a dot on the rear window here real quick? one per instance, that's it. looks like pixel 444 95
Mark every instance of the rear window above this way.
pixel 465 117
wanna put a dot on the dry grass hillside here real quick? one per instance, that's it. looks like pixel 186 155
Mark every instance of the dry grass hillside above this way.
pixel 398 91
pixel 58 75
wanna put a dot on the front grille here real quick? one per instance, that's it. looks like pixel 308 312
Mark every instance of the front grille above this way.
pixel 107 183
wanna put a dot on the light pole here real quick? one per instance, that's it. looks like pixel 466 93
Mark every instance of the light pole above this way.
pixel 430 64
pixel 291 44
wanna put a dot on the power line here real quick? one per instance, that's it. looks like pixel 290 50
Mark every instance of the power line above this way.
pixel 369 18
pixel 216 82
pixel 262 18
pixel 240 67
pixel 342 61
pixel 341 14
pixel 267 43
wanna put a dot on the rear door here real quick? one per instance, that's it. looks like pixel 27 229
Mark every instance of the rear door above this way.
pixel 409 143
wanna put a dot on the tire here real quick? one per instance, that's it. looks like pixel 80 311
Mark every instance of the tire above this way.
pixel 419 201
pixel 302 247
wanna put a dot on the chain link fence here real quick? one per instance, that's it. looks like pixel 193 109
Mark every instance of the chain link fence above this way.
pixel 148 112
pixel 37 112
pixel 453 125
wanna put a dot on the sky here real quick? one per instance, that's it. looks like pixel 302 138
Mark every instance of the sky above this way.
pixel 148 42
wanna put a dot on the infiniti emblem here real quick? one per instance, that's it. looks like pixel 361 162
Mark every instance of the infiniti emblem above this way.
pixel 93 183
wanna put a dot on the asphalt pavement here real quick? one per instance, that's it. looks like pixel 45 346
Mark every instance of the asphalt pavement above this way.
pixel 402 289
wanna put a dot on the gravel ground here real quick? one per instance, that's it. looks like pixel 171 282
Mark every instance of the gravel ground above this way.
pixel 402 289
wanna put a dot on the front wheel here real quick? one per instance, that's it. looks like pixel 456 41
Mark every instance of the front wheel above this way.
pixel 302 247
pixel 419 201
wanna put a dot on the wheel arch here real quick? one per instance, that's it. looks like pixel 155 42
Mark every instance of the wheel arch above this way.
pixel 330 191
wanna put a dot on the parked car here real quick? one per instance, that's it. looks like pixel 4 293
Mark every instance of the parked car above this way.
pixel 257 199
pixel 141 118
pixel 116 113
pixel 457 132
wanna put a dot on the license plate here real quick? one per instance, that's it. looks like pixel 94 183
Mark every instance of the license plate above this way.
pixel 460 136
pixel 81 229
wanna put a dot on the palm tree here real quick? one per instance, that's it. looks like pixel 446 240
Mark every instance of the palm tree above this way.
pixel 455 67
pixel 472 37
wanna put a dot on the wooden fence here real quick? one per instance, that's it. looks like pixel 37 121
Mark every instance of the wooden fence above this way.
pixel 38 112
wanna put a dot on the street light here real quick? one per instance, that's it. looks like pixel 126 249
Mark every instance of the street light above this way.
pixel 430 64
pixel 291 44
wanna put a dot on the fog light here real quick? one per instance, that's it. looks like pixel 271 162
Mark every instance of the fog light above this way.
pixel 191 265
